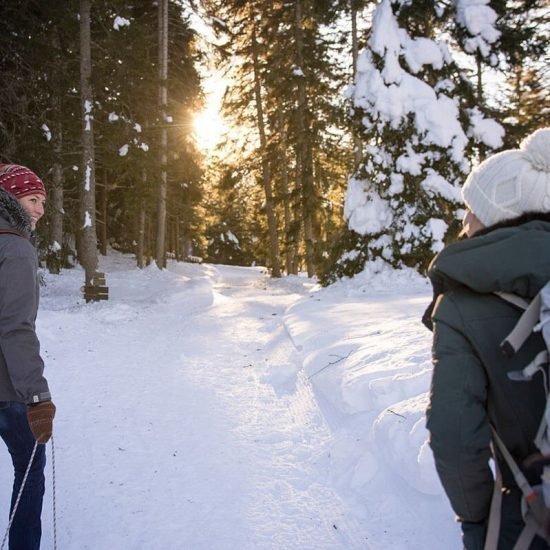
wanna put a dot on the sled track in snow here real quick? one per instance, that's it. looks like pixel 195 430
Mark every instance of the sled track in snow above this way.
pixel 289 445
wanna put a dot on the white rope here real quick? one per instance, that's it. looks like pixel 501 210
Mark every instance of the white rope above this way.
pixel 19 495
pixel 53 494
pixel 21 492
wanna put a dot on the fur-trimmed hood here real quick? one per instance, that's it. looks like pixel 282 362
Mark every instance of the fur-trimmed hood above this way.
pixel 13 216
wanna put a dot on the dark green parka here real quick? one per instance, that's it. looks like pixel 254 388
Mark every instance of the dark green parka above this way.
pixel 470 387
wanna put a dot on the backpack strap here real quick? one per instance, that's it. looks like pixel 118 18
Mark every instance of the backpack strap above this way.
pixel 528 491
pixel 536 516
pixel 513 299
pixel 527 535
pixel 493 523
pixel 11 232
pixel 524 327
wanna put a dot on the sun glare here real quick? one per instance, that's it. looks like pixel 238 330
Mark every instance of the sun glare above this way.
pixel 208 127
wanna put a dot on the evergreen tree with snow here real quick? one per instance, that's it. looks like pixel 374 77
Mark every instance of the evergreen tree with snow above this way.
pixel 421 127
pixel 230 231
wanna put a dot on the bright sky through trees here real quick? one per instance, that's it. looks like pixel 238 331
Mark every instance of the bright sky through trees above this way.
pixel 208 125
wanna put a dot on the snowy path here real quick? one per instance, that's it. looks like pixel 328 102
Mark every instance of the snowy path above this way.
pixel 199 450
pixel 212 408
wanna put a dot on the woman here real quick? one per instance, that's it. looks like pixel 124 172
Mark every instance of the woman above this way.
pixel 26 408
pixel 508 250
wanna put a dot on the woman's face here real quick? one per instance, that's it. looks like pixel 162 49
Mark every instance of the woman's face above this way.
pixel 34 206
pixel 470 223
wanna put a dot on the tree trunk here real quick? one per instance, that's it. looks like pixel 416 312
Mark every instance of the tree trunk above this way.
pixel 141 238
pixel 163 102
pixel 290 240
pixel 103 222
pixel 298 213
pixel 55 204
pixel 149 240
pixel 318 217
pixel 179 248
pixel 304 145
pixel 479 74
pixel 88 238
pixel 55 253
pixel 266 172
pixel 173 245
pixel 357 145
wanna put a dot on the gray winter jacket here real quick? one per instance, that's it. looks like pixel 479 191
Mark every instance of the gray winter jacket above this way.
pixel 21 367
pixel 470 386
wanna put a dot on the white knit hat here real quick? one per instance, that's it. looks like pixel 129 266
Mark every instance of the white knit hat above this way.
pixel 511 183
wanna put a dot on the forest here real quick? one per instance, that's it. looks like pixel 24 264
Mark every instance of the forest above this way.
pixel 349 125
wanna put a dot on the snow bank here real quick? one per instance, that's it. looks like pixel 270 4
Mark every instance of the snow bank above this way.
pixel 367 357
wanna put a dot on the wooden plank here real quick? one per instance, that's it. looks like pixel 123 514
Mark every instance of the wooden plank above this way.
pixel 96 293
pixel 98 279
pixel 96 288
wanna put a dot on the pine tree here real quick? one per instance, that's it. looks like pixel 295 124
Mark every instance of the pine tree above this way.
pixel 526 60
pixel 300 111
pixel 231 236
pixel 41 119
pixel 421 126
pixel 130 127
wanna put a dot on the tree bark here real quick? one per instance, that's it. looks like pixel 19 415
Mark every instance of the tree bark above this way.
pixel 88 238
pixel 304 145
pixel 103 220
pixel 149 240
pixel 179 248
pixel 163 102
pixel 357 145
pixel 479 75
pixel 55 203
pixel 266 171
pixel 290 238
pixel 141 238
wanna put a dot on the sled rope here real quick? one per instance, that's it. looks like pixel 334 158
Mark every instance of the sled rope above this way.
pixel 19 495
pixel 53 499
pixel 21 492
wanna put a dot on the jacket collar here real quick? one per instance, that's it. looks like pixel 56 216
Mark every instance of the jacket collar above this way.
pixel 513 259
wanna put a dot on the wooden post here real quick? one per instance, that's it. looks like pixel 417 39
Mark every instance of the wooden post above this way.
pixel 96 289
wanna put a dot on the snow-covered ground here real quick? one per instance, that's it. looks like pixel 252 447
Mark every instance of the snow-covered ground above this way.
pixel 209 407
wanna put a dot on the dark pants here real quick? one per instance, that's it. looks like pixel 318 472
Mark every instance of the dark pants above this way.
pixel 26 528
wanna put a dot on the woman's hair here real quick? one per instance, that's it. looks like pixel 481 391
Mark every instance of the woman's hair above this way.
pixel 520 220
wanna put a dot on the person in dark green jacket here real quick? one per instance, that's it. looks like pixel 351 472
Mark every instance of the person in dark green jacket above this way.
pixel 508 249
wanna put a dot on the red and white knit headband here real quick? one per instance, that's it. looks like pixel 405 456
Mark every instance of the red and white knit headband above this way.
pixel 20 181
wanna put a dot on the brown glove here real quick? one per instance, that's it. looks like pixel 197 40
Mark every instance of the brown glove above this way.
pixel 40 416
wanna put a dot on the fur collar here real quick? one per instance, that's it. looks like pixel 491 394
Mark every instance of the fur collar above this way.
pixel 13 215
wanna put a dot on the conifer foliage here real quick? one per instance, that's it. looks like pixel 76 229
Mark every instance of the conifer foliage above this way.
pixel 421 127
pixel 286 102
pixel 352 124
pixel 41 120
